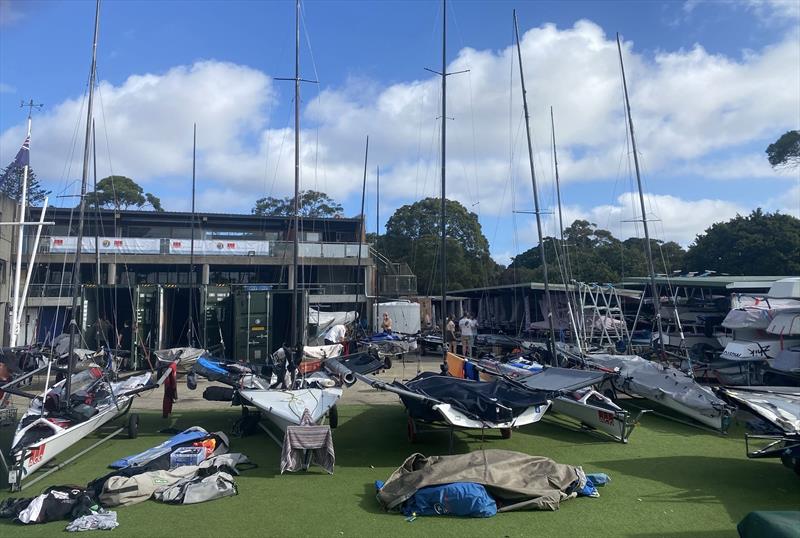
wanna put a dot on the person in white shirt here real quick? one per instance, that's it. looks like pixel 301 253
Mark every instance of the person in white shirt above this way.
pixel 465 325
pixel 335 335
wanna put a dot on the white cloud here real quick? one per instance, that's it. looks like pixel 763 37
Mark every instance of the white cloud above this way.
pixel 787 202
pixel 9 12
pixel 670 218
pixel 7 88
pixel 690 107
pixel 774 10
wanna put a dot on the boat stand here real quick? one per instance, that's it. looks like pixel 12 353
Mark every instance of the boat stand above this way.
pixel 416 427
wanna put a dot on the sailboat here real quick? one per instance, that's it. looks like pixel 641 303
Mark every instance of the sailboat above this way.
pixel 83 402
pixel 452 400
pixel 319 392
pixel 656 382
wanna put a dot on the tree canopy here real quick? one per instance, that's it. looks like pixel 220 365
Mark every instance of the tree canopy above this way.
pixel 120 192
pixel 413 236
pixel 595 255
pixel 785 152
pixel 11 184
pixel 311 204
pixel 757 244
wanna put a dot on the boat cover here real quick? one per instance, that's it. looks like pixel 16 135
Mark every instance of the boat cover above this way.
pixel 562 379
pixel 546 378
pixel 362 363
pixel 184 355
pixel 780 406
pixel 187 436
pixel 747 318
pixel 490 401
pixel 773 524
pixel 785 323
pixel 788 360
pixel 517 481
pixel 322 352
pixel 657 382
pixel 216 370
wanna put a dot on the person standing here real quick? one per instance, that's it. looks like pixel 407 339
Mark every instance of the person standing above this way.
pixel 465 327
pixel 335 335
pixel 473 324
pixel 450 337
pixel 386 324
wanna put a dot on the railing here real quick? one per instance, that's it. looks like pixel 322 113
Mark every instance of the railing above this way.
pixel 315 288
pixel 183 247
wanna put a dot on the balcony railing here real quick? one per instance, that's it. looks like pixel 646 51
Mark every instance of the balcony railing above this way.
pixel 315 288
pixel 202 247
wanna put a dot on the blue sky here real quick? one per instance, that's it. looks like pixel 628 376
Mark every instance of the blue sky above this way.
pixel 712 84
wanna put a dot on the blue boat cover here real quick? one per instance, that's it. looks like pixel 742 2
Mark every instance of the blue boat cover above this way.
pixel 187 436
pixel 456 499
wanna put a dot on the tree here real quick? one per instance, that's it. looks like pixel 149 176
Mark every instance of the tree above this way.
pixel 120 192
pixel 757 244
pixel 595 255
pixel 785 152
pixel 312 204
pixel 413 236
pixel 11 184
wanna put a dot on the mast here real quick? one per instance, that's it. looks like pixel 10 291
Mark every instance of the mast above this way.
pixel 377 230
pixel 564 250
pixel 76 264
pixel 361 231
pixel 548 300
pixel 444 180
pixel 23 204
pixel 648 249
pixel 296 342
pixel 191 242
pixel 96 235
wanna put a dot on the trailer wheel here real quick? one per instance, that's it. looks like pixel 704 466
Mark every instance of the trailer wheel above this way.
pixel 505 433
pixel 133 426
pixel 411 430
pixel 333 417
pixel 791 461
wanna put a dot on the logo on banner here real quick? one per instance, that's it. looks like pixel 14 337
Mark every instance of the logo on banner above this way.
pixel 37 454
pixel 106 243
pixel 176 244
pixel 58 242
pixel 220 246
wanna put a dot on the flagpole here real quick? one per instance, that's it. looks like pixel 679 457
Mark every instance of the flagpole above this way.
pixel 23 204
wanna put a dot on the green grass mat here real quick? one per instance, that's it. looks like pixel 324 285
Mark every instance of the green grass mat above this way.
pixel 670 481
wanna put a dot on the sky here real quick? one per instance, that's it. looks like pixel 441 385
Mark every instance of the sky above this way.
pixel 712 84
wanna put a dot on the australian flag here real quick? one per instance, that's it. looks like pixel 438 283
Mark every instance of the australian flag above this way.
pixel 10 181
pixel 23 157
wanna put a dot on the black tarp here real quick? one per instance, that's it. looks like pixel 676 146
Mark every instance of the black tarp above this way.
pixel 491 401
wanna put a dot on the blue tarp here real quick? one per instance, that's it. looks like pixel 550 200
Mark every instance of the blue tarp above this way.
pixel 187 436
pixel 456 499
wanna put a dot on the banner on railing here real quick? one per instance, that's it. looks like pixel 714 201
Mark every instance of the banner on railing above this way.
pixel 221 247
pixel 108 245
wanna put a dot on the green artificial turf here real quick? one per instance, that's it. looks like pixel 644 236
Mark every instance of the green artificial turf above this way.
pixel 671 480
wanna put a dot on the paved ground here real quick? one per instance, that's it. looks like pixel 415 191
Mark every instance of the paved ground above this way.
pixel 360 393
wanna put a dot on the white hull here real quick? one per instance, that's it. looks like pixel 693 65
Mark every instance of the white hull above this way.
pixel 607 417
pixel 762 348
pixel 285 407
pixel 453 417
pixel 34 456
